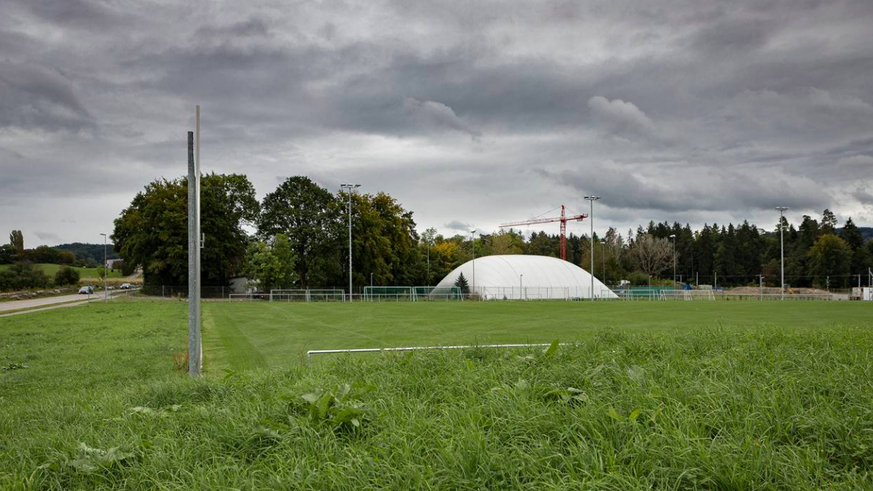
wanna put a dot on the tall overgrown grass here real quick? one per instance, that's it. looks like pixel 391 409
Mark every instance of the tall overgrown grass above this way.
pixel 762 408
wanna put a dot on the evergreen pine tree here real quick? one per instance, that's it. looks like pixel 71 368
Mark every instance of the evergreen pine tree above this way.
pixel 462 284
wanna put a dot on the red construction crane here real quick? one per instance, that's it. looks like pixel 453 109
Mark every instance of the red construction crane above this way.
pixel 563 219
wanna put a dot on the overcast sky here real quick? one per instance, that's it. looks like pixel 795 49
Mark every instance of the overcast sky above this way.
pixel 470 113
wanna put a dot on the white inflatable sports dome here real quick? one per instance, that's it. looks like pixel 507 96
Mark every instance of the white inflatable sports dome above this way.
pixel 526 277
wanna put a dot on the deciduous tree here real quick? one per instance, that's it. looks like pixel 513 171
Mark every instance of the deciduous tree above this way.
pixel 153 230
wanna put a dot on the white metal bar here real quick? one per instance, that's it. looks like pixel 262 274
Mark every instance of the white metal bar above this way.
pixel 420 348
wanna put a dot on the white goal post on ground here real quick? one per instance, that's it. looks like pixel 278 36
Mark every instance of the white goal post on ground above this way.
pixel 410 293
pixel 307 295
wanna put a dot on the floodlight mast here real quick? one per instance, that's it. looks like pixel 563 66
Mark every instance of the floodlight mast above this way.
pixel 591 200
pixel 782 210
pixel 349 188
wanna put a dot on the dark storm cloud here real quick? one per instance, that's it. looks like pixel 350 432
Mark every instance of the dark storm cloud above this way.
pixel 468 112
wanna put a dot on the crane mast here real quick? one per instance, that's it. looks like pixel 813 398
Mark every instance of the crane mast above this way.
pixel 563 219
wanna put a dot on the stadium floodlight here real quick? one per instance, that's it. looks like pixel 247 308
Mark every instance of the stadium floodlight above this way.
pixel 673 236
pixel 105 272
pixel 349 188
pixel 781 210
pixel 592 199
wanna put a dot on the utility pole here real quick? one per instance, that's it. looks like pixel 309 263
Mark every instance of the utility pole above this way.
pixel 105 271
pixel 349 188
pixel 781 210
pixel 591 200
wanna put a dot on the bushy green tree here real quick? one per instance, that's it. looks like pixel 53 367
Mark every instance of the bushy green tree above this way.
pixel 23 275
pixel 153 230
pixel 384 241
pixel 271 265
pixel 66 276
pixel 830 255
pixel 7 254
pixel 311 217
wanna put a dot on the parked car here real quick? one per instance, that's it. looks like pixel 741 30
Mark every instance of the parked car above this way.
pixel 86 290
pixel 125 286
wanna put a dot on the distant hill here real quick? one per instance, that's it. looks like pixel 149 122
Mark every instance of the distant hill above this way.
pixel 94 252
pixel 866 232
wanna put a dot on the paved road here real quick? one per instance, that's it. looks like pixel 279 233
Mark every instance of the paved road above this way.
pixel 42 302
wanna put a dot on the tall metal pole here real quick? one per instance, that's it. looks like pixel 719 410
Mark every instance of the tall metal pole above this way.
pixel 673 236
pixel 761 285
pixel 195 347
pixel 349 188
pixel 473 248
pixel 520 286
pixel 105 272
pixel 591 200
pixel 781 210
pixel 603 260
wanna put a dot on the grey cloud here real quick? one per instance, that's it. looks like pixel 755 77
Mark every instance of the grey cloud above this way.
pixel 252 27
pixel 35 97
pixel 459 226
pixel 49 237
pixel 438 115
pixel 688 189
pixel 677 108
pixel 621 117
pixel 733 36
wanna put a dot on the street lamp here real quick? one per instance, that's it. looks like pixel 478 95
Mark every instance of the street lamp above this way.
pixel 349 188
pixel 592 199
pixel 781 210
pixel 673 236
pixel 473 248
pixel 104 268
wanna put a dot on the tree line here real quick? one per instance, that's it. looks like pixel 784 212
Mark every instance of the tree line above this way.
pixel 297 237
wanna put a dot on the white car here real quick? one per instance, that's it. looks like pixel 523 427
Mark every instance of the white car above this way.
pixel 125 286
pixel 86 290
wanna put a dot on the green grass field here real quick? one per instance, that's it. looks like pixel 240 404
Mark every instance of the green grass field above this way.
pixel 52 269
pixel 676 395
pixel 255 335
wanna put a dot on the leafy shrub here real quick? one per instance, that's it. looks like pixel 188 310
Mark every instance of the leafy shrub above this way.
pixel 23 275
pixel 66 276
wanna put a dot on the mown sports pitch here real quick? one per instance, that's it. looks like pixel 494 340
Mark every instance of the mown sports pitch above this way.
pixel 683 395
pixel 257 335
